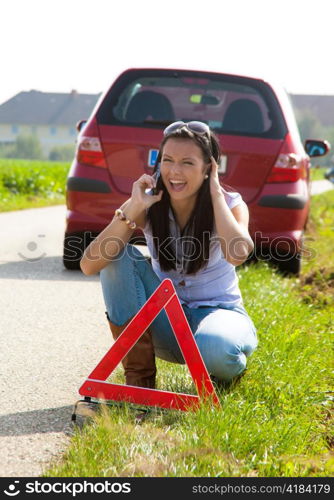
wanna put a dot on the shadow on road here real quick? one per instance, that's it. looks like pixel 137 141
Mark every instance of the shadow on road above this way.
pixel 37 421
pixel 47 268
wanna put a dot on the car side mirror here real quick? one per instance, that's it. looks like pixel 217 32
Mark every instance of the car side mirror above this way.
pixel 316 148
pixel 80 124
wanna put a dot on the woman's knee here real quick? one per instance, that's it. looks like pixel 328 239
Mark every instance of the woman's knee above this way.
pixel 122 286
pixel 231 365
pixel 223 358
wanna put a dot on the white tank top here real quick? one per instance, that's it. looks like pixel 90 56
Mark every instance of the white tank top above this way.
pixel 214 285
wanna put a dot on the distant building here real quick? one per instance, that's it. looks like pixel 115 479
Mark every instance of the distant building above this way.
pixel 51 117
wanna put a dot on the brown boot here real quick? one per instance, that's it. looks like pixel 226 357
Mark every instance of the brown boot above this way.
pixel 139 363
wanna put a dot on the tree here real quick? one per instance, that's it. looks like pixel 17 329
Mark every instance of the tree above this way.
pixel 27 147
pixel 62 153
pixel 308 124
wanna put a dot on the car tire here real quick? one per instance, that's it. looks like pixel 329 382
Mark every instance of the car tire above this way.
pixel 291 266
pixel 74 247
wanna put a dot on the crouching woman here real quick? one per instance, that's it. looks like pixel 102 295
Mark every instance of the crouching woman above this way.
pixel 196 233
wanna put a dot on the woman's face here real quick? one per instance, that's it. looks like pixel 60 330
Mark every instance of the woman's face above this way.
pixel 182 168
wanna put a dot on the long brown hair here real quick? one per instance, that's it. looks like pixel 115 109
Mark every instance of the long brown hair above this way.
pixel 199 227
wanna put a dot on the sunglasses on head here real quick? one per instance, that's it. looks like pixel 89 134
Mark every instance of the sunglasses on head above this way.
pixel 199 128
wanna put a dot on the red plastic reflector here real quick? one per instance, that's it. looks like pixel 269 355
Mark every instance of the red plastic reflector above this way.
pixel 288 175
pixel 288 168
pixel 90 151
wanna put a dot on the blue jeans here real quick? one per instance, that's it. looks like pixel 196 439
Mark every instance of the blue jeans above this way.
pixel 225 337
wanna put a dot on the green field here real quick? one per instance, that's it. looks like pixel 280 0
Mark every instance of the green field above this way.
pixel 30 184
pixel 317 174
pixel 278 420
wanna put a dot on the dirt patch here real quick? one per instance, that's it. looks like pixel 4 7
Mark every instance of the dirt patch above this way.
pixel 328 420
pixel 317 287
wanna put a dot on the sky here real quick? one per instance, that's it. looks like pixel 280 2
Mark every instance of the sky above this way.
pixel 57 46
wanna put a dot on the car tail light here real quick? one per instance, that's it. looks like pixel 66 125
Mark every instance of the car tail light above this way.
pixel 89 150
pixel 289 167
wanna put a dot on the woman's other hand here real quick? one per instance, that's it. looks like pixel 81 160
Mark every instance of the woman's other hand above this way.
pixel 215 187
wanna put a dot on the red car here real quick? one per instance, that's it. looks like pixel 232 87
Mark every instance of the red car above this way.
pixel 263 157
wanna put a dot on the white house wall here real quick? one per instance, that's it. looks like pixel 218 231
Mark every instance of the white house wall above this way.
pixel 48 135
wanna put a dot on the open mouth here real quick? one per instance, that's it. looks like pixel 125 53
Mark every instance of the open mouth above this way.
pixel 177 185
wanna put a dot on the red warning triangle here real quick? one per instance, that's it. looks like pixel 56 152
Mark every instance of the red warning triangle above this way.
pixel 164 297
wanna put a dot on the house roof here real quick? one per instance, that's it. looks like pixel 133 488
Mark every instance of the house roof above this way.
pixel 322 106
pixel 43 108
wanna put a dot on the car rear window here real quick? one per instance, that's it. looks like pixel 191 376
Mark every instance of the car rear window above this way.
pixel 228 104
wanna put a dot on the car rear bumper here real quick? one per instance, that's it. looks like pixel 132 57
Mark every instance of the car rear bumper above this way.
pixel 83 184
pixel 277 222
pixel 277 243
pixel 292 201
pixel 90 198
pixel 279 214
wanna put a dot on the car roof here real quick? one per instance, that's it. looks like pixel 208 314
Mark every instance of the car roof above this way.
pixel 263 77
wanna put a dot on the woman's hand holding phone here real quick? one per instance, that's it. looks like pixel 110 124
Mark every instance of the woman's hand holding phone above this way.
pixel 155 176
pixel 143 191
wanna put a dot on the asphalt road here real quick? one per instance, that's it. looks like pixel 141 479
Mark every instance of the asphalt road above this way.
pixel 53 332
pixel 318 187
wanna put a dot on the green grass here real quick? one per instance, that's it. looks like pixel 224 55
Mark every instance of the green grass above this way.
pixel 317 279
pixel 317 174
pixel 30 184
pixel 276 421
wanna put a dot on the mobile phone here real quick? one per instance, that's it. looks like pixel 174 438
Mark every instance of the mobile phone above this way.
pixel 156 176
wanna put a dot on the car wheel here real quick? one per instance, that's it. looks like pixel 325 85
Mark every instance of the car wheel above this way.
pixel 74 246
pixel 292 265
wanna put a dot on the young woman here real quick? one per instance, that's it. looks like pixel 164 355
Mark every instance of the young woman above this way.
pixel 196 233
